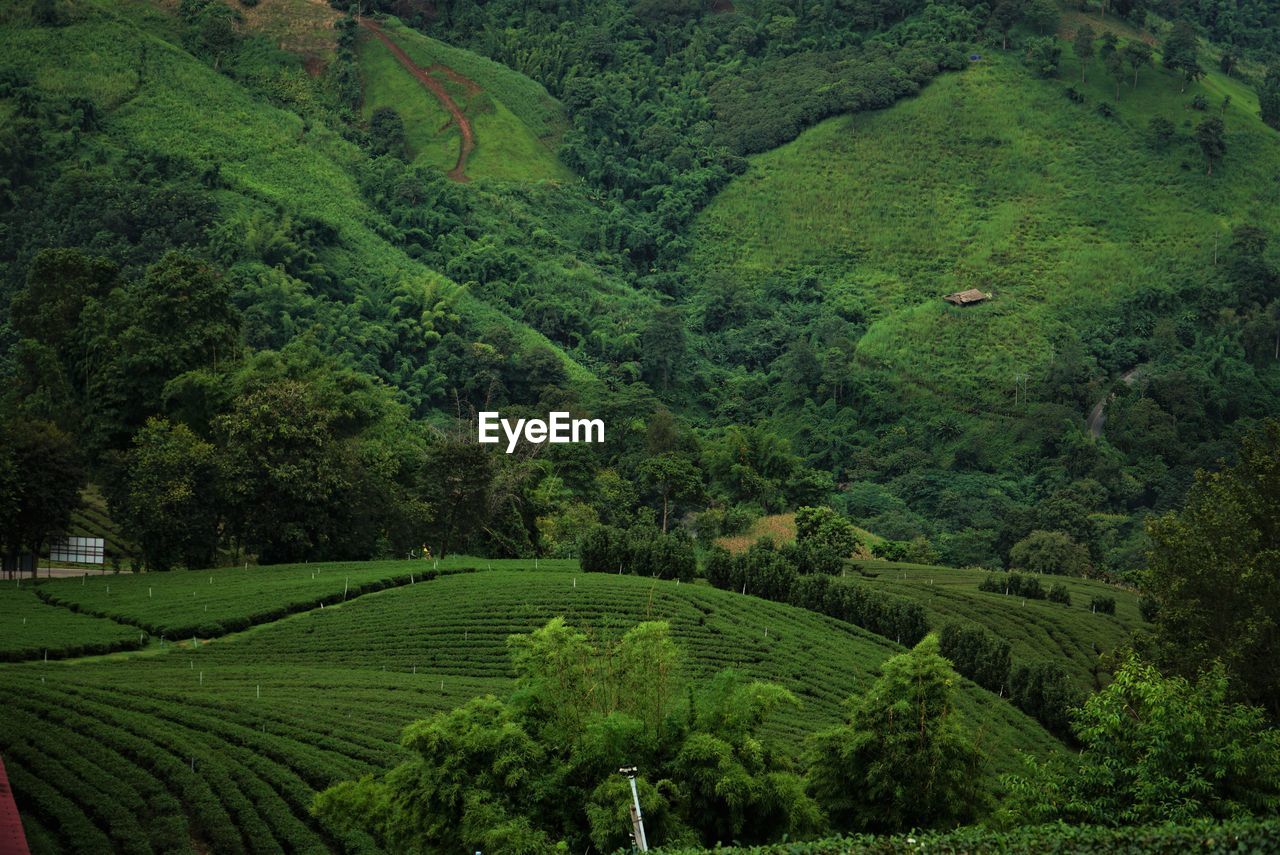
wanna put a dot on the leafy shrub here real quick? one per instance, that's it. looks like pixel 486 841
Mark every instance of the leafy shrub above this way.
pixel 891 616
pixel 1103 605
pixel 1044 691
pixel 1160 749
pixel 1058 593
pixel 978 654
pixel 638 552
pixel 1013 584
pixel 1148 608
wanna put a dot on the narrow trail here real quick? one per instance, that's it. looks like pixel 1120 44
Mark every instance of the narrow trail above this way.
pixel 436 88
pixel 1098 415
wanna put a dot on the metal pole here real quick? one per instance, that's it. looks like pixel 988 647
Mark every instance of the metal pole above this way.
pixel 637 819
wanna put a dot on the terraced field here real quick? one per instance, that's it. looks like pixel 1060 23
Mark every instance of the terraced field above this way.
pixel 31 628
pixel 242 730
pixel 1035 629
pixel 209 604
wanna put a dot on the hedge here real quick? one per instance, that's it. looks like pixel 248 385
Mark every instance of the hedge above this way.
pixel 1258 837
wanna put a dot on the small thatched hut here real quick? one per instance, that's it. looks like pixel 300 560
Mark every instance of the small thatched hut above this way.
pixel 967 298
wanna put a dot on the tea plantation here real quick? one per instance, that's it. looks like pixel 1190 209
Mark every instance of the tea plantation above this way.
pixel 221 744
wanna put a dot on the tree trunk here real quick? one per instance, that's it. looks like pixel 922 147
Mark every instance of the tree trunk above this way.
pixel 664 513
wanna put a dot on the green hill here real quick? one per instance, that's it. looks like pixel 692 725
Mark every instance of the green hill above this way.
pixel 243 730
pixel 270 160
pixel 989 179
pixel 515 123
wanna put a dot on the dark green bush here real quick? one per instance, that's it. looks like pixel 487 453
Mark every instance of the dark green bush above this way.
pixel 1044 691
pixel 978 654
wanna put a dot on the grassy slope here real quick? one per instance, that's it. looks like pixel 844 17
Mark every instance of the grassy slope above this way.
pixel 1035 629
pixel 187 109
pixel 516 123
pixel 995 180
pixel 271 714
pixel 29 627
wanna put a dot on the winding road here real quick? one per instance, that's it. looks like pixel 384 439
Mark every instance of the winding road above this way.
pixel 1098 415
pixel 436 88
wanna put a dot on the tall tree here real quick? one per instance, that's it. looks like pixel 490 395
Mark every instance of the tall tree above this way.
pixel 662 347
pixel 1137 54
pixel 1215 573
pixel 1269 97
pixel 1115 67
pixel 166 502
pixel 1084 48
pixel 44 468
pixel 1211 135
pixel 902 760
pixel 1181 52
pixel 283 472
pixel 674 477
pixel 456 482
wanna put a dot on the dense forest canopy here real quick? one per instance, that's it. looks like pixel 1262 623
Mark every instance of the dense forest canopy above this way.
pixel 188 309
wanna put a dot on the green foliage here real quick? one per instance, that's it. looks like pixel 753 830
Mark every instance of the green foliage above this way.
pixel 41 470
pixel 1084 47
pixel 1058 593
pixel 1181 52
pixel 1044 691
pixel 1210 134
pixel 1161 132
pixel 1160 749
pixel 1269 97
pixel 1213 574
pixel 1012 584
pixel 674 477
pixel 639 552
pixel 1209 838
pixel 386 132
pixel 516 775
pixel 897 618
pixel 1050 552
pixel 1103 605
pixel 1042 55
pixel 902 760
pixel 824 531
pixel 977 654
pixel 166 499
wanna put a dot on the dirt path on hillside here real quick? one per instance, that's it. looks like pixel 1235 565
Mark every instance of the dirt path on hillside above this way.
pixel 1098 415
pixel 436 88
